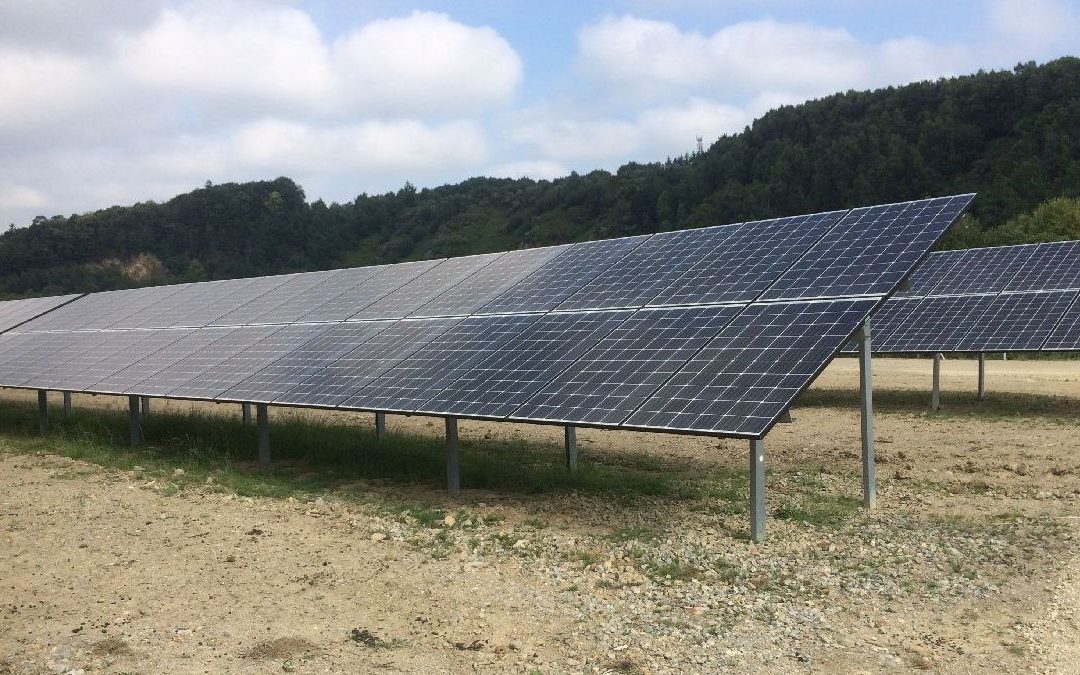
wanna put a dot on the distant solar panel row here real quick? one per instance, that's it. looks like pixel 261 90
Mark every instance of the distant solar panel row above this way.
pixel 712 331
pixel 1007 298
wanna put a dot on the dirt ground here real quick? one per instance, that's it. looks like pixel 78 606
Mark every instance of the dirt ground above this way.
pixel 969 564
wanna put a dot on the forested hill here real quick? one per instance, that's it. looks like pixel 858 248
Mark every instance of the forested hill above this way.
pixel 1014 137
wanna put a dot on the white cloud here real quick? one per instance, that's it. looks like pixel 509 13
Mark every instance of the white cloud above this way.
pixel 426 61
pixel 538 169
pixel 22 196
pixel 655 59
pixel 1034 24
pixel 40 87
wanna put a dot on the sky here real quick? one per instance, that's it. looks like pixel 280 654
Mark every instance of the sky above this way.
pixel 122 101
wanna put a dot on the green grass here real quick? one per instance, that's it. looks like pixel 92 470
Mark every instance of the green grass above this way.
pixel 819 509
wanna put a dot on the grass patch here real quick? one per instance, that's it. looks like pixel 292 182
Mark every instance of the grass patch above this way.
pixel 819 509
pixel 996 406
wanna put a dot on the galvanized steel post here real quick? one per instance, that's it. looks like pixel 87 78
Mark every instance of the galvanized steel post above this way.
pixel 453 458
pixel 262 422
pixel 43 410
pixel 134 423
pixel 145 405
pixel 245 413
pixel 757 490
pixel 982 375
pixel 67 403
pixel 866 393
pixel 935 396
pixel 571 447
pixel 380 426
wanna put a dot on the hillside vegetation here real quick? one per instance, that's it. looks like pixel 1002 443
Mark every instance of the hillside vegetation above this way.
pixel 1014 137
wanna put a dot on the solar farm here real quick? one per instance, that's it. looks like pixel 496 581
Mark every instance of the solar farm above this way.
pixel 711 338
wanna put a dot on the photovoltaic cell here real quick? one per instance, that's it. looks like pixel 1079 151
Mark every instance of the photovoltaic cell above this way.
pixel 310 292
pixel 887 321
pixel 870 250
pixel 140 377
pixel 388 279
pixel 51 372
pixel 282 376
pixel 743 264
pixel 1017 321
pixel 509 376
pixel 982 270
pixel 616 376
pixel 409 384
pixel 26 353
pixel 350 373
pixel 102 356
pixel 250 360
pixel 752 371
pixel 485 284
pixel 560 278
pixel 414 294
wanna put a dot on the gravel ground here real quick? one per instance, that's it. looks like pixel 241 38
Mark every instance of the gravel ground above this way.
pixel 969 564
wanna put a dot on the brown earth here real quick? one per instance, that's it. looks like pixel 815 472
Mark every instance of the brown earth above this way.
pixel 969 564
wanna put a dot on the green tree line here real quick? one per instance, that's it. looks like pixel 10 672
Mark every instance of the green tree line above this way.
pixel 1012 136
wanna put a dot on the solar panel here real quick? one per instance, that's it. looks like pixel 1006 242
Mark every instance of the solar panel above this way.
pixel 560 278
pixel 752 371
pixel 184 308
pixel 23 352
pixel 349 373
pixel 299 297
pixel 141 377
pixel 158 349
pixel 250 360
pixel 507 377
pixel 424 288
pixel 15 313
pixel 887 321
pixel 407 385
pixel 388 279
pixel 647 269
pixel 937 324
pixel 1016 322
pixel 616 376
pixel 1049 267
pixel 870 250
pixel 929 274
pixel 982 270
pixel 176 380
pixel 487 283
pixel 93 363
pixel 743 264
pixel 51 372
pixel 117 306
pixel 1066 335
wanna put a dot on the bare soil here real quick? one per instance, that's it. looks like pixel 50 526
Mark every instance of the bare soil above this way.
pixel 969 564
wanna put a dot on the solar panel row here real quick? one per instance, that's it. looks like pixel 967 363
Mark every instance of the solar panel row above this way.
pixel 663 332
pixel 14 313
pixel 1008 298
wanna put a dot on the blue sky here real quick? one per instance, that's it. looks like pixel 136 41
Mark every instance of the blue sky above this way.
pixel 119 101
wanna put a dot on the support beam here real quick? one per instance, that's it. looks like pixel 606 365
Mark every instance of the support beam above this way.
pixel 982 376
pixel 262 421
pixel 245 412
pixel 67 403
pixel 380 427
pixel 935 396
pixel 134 422
pixel 571 447
pixel 145 405
pixel 43 410
pixel 757 491
pixel 453 458
pixel 866 394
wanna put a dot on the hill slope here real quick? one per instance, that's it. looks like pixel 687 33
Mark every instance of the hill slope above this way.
pixel 1014 137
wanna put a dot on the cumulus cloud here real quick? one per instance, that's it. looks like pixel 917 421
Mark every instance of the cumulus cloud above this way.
pixel 537 169
pixel 1034 24
pixel 648 58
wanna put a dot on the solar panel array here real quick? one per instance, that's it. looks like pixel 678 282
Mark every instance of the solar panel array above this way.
pixel 711 331
pixel 1005 298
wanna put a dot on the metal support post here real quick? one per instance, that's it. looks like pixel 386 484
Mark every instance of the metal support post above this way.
pixel 982 375
pixel 757 491
pixel 262 421
pixel 380 427
pixel 571 447
pixel 67 403
pixel 866 393
pixel 245 413
pixel 453 458
pixel 145 405
pixel 43 410
pixel 134 423
pixel 935 396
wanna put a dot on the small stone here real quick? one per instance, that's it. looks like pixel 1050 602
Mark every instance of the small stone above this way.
pixel 378 536
pixel 449 520
pixel 178 472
